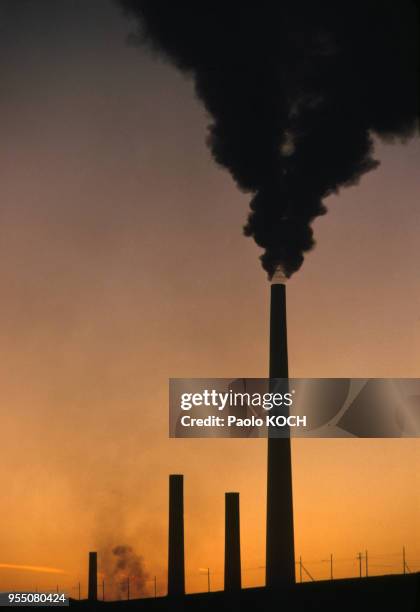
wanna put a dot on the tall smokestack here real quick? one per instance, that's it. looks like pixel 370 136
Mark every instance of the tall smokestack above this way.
pixel 176 568
pixel 93 576
pixel 280 554
pixel 232 543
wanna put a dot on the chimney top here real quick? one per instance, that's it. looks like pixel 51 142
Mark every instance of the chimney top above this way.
pixel 279 277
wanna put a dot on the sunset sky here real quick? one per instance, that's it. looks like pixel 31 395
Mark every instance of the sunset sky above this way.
pixel 122 263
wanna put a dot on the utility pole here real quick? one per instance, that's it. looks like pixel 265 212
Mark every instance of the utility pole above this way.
pixel 103 590
pixel 359 556
pixel 331 566
pixel 208 578
pixel 155 587
pixel 404 563
pixel 366 563
pixel 300 568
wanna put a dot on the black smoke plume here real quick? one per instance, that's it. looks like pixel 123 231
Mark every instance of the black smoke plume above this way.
pixel 123 564
pixel 296 90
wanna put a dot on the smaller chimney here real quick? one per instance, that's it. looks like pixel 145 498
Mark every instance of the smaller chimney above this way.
pixel 93 576
pixel 176 568
pixel 232 543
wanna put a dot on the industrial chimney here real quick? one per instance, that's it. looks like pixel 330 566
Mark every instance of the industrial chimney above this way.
pixel 93 576
pixel 176 569
pixel 232 543
pixel 280 554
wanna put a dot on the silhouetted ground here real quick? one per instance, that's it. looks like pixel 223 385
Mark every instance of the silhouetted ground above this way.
pixel 379 593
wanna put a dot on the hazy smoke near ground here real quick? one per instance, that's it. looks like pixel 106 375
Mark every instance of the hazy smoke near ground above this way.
pixel 295 89
pixel 120 564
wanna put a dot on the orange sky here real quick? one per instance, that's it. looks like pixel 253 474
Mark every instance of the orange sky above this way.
pixel 122 264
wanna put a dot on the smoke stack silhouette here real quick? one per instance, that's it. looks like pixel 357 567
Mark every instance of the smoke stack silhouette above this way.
pixel 233 580
pixel 280 554
pixel 93 576
pixel 296 91
pixel 176 563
